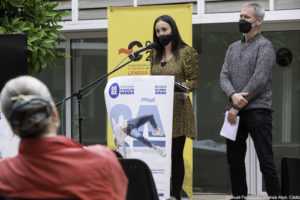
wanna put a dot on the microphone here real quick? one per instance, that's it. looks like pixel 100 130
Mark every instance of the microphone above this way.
pixel 150 46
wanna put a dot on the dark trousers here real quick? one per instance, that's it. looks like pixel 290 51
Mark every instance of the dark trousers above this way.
pixel 257 122
pixel 134 124
pixel 177 166
pixel 139 121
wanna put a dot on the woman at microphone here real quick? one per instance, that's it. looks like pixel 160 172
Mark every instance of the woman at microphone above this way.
pixel 49 166
pixel 172 56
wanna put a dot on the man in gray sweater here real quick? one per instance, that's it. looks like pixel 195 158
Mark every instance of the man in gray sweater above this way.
pixel 246 81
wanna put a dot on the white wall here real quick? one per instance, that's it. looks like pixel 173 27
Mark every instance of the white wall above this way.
pixel 9 142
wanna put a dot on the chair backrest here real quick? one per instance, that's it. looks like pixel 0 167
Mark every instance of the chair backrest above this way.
pixel 290 176
pixel 118 154
pixel 141 184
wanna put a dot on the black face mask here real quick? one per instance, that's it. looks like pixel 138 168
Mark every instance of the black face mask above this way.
pixel 165 39
pixel 245 26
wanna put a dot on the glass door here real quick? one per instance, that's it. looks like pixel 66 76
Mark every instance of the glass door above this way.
pixel 286 96
pixel 210 171
pixel 88 62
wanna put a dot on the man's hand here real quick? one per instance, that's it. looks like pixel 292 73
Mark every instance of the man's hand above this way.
pixel 239 100
pixel 231 117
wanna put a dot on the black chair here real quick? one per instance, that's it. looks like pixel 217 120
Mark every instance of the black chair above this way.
pixel 290 176
pixel 118 154
pixel 141 184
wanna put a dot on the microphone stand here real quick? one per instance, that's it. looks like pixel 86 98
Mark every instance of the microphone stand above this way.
pixel 78 93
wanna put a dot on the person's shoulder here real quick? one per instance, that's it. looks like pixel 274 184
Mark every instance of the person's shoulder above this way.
pixel 265 45
pixel 6 165
pixel 97 148
pixel 188 50
pixel 102 151
pixel 263 41
pixel 235 44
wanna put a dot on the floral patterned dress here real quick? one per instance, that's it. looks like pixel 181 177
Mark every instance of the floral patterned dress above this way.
pixel 185 70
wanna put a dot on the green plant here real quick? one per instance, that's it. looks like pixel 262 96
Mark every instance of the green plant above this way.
pixel 39 19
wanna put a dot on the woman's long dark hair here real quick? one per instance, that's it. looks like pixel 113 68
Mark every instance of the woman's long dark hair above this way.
pixel 177 42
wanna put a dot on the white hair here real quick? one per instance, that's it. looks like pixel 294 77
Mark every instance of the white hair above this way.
pixel 26 86
pixel 259 11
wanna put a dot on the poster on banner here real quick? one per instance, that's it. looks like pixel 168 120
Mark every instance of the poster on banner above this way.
pixel 9 142
pixel 140 110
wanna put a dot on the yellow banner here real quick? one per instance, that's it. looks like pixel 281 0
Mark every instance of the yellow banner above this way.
pixel 130 29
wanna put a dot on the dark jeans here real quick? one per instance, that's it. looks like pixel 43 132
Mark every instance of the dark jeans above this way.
pixel 177 166
pixel 134 124
pixel 257 122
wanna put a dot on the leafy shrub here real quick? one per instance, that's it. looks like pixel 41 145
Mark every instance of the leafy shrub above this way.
pixel 39 20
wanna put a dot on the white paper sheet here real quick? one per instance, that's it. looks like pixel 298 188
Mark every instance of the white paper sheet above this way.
pixel 229 131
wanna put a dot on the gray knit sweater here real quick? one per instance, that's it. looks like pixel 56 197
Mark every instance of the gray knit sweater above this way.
pixel 248 68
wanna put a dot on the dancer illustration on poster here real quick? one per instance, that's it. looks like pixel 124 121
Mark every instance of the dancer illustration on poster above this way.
pixel 130 128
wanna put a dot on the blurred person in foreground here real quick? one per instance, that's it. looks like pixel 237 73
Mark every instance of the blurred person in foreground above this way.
pixel 246 80
pixel 50 165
